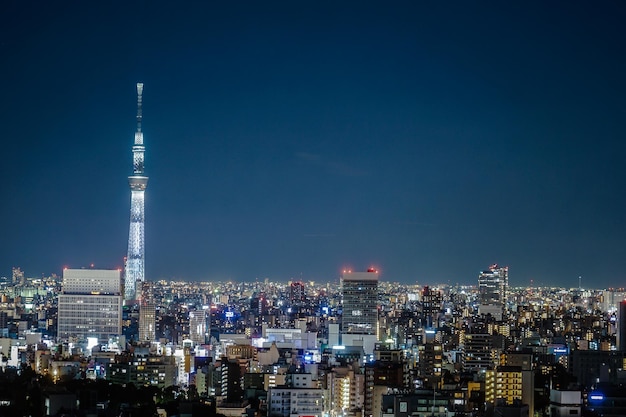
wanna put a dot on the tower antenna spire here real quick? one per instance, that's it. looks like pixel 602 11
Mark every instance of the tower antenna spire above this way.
pixel 139 104
pixel 138 181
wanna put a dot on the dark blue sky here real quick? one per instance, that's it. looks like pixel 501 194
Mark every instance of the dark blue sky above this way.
pixel 291 139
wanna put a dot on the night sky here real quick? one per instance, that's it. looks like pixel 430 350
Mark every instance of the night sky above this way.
pixel 293 139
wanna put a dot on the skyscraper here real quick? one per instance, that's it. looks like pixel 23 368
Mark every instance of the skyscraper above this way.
pixel 431 305
pixel 493 285
pixel 621 326
pixel 360 302
pixel 197 326
pixel 135 261
pixel 296 292
pixel 147 314
pixel 18 276
pixel 90 304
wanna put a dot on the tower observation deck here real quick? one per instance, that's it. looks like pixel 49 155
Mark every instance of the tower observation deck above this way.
pixel 138 181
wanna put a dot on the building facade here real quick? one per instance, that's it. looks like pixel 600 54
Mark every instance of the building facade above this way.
pixel 197 326
pixel 493 285
pixel 565 403
pixel 294 402
pixel 621 326
pixel 156 371
pixel 360 303
pixel 510 385
pixel 90 304
pixel 478 352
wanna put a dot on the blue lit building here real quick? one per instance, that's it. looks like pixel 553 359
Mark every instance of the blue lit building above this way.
pixel 607 401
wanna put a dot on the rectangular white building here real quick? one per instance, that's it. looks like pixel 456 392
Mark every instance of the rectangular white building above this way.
pixel 295 402
pixel 90 305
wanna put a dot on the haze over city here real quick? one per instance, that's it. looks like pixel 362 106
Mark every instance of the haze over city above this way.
pixel 292 140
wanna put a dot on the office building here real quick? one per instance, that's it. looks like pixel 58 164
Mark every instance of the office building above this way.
pixel 360 303
pixel 359 320
pixel 147 314
pixel 90 305
pixel 493 285
pixel 593 366
pixel 296 293
pixel 197 326
pixel 621 326
pixel 431 305
pixel 17 276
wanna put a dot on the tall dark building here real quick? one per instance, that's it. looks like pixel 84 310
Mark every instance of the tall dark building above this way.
pixel 360 302
pixel 477 355
pixel 431 305
pixel 296 293
pixel 621 326
pixel 388 370
pixel 493 285
pixel 147 314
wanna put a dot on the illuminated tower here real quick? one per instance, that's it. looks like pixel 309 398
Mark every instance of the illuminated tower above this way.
pixel 135 261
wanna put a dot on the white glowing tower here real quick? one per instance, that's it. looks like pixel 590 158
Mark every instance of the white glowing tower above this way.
pixel 135 261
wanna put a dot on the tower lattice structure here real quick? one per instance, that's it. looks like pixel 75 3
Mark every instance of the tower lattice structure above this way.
pixel 138 181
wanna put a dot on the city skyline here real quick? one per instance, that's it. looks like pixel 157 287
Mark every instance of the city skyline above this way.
pixel 292 141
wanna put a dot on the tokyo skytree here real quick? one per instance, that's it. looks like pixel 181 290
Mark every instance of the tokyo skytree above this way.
pixel 135 261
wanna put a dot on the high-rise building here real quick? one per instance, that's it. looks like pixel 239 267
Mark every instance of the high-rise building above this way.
pixel 4 324
pixel 493 285
pixel 621 326
pixel 296 293
pixel 138 181
pixel 430 364
pixel 431 305
pixel 147 314
pixel 17 276
pixel 389 370
pixel 359 292
pixel 197 326
pixel 90 304
pixel 479 353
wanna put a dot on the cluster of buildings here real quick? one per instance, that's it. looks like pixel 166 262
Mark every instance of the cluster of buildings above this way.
pixel 354 348
pixel 358 347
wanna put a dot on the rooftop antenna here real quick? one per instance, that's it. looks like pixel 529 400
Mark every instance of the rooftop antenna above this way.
pixel 139 105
